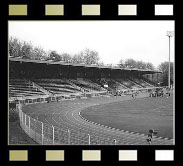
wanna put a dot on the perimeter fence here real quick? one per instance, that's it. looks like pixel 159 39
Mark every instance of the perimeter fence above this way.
pixel 46 134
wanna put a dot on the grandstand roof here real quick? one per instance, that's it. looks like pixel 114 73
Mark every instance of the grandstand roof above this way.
pixel 81 65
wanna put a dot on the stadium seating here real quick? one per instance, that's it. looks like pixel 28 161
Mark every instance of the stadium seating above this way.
pixel 37 87
pixel 142 83
pixel 123 84
pixel 129 83
pixel 87 85
pixel 117 85
pixel 100 82
pixel 21 88
pixel 94 84
pixel 57 86
pixel 154 84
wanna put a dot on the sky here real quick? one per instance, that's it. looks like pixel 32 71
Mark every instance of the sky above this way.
pixel 113 40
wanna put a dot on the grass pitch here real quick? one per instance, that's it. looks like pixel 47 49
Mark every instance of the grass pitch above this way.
pixel 138 115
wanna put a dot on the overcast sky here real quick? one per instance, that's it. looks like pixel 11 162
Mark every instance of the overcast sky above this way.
pixel 113 40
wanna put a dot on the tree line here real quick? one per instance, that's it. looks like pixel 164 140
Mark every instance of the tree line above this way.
pixel 26 50
pixel 131 63
pixel 164 67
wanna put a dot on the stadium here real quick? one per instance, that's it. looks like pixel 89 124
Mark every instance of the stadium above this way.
pixel 76 104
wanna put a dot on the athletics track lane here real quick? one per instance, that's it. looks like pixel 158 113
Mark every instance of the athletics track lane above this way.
pixel 65 115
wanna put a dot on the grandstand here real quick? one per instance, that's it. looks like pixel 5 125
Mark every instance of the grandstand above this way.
pixel 86 85
pixel 22 87
pixel 57 86
pixel 37 87
pixel 34 81
pixel 142 83
pixel 31 78
pixel 129 83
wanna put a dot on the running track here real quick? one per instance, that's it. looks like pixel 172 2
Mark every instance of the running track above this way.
pixel 66 115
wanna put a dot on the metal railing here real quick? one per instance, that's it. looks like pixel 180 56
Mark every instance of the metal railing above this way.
pixel 46 134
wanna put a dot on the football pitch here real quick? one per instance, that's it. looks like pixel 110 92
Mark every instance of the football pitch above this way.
pixel 138 115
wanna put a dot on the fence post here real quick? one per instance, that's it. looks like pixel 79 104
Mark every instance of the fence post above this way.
pixel 69 137
pixel 42 133
pixel 17 110
pixel 18 106
pixel 89 141
pixel 25 120
pixel 53 134
pixel 22 118
pixel 115 142
pixel 35 129
pixel 29 125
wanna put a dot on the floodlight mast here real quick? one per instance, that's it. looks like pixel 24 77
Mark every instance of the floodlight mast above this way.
pixel 169 34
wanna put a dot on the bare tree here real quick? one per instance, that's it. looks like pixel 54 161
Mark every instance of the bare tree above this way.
pixel 164 76
pixel 66 57
pixel 24 49
pixel 150 66
pixel 78 58
pixel 27 51
pixel 15 47
pixel 141 65
pixel 101 63
pixel 122 64
pixel 53 55
pixel 90 56
pixel 130 63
